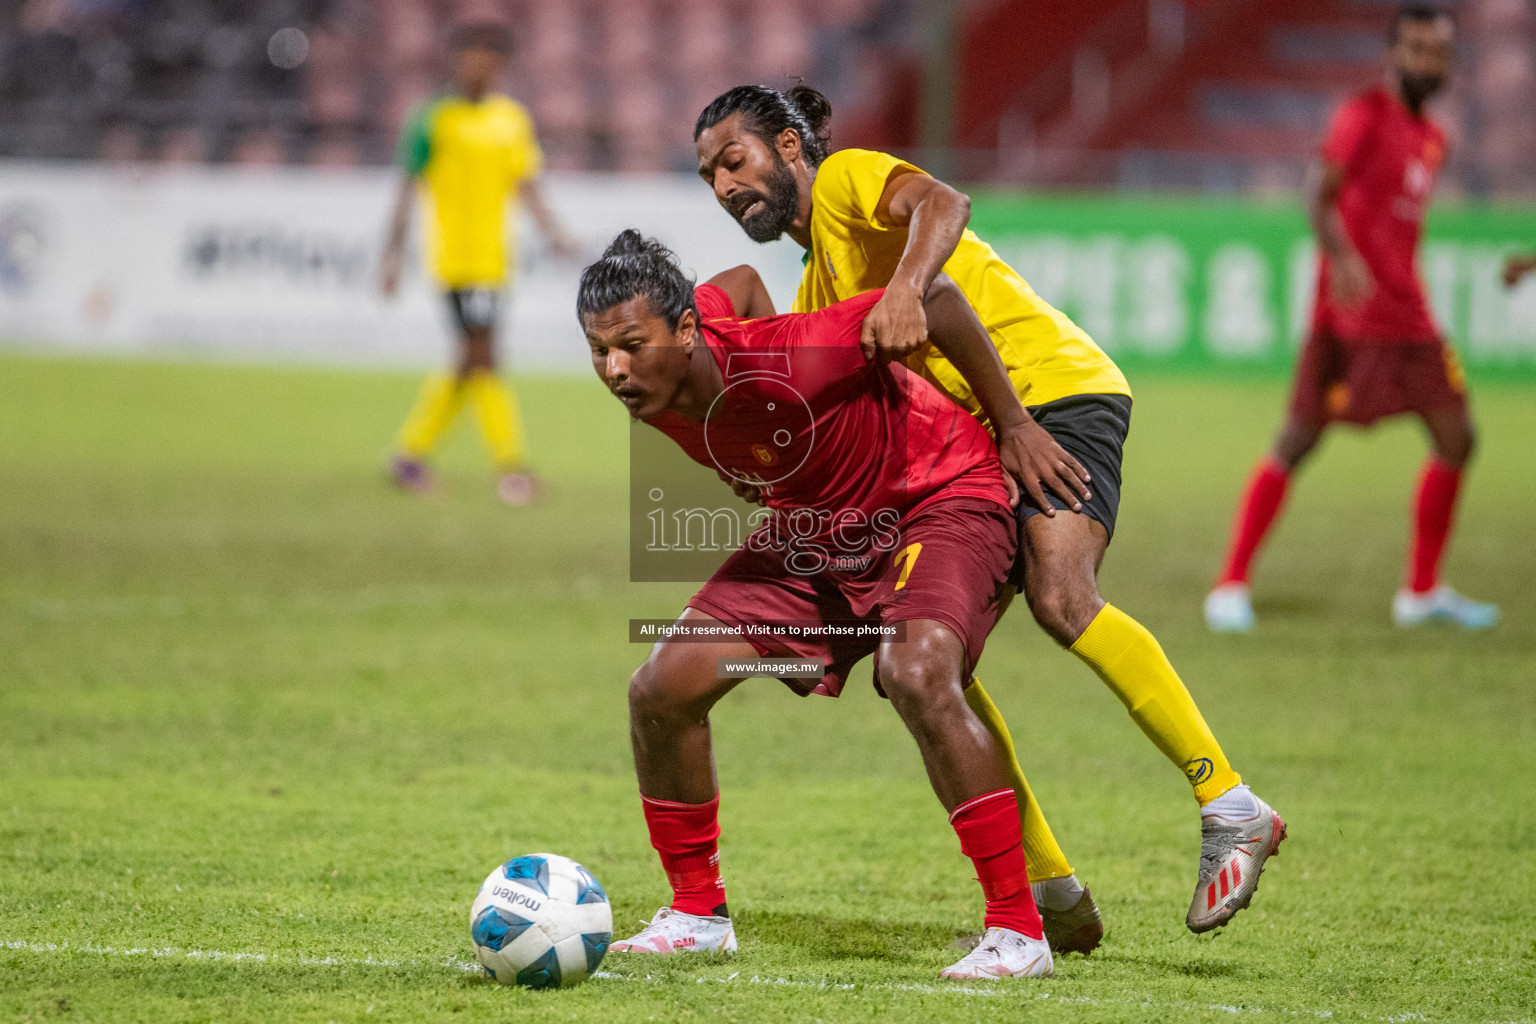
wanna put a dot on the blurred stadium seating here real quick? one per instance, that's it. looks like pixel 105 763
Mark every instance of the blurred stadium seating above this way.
pixel 1216 95
pixel 329 81
pixel 1205 95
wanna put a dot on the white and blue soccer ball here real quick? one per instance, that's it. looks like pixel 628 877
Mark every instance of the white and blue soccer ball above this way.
pixel 542 921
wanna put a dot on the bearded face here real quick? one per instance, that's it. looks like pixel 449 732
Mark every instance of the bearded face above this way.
pixel 1422 56
pixel 765 216
pixel 1418 87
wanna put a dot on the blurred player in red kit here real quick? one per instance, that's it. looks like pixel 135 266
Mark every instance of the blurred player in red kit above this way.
pixel 888 507
pixel 1374 350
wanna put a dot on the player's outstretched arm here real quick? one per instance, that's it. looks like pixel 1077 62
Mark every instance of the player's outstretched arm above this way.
pixel 1027 451
pixel 560 240
pixel 935 217
pixel 744 287
pixel 394 239
pixel 1349 278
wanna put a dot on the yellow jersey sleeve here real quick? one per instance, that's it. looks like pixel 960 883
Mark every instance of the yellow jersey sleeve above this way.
pixel 852 251
pixel 1046 355
pixel 851 181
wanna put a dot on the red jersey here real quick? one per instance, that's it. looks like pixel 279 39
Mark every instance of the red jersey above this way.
pixel 1390 158
pixel 841 448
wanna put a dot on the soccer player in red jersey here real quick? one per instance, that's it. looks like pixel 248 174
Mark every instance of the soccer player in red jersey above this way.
pixel 868 220
pixel 1374 349
pixel 888 508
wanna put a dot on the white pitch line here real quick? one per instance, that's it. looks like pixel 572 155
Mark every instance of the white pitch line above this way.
pixel 171 952
pixel 989 992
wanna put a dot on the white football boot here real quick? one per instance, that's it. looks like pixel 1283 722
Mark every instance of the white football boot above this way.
pixel 1071 918
pixel 1229 609
pixel 672 932
pixel 1238 833
pixel 1442 605
pixel 1003 953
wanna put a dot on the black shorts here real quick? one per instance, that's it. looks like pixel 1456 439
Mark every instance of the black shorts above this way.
pixel 474 308
pixel 1093 428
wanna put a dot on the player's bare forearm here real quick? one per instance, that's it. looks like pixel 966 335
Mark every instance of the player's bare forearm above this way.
pixel 744 287
pixel 1324 185
pixel 1349 277
pixel 550 226
pixel 400 215
pixel 956 330
pixel 935 216
pixel 1031 456
pixel 395 234
pixel 935 221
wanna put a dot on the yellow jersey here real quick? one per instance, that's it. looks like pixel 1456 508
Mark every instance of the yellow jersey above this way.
pixel 1047 356
pixel 470 157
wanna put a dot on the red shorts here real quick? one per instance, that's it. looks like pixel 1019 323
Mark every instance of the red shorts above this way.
pixel 951 566
pixel 1364 381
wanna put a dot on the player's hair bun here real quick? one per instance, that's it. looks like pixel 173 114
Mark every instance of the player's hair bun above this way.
pixel 636 265
pixel 816 109
pixel 631 247
pixel 627 243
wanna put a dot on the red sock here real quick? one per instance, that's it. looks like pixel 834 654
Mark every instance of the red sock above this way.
pixel 1433 508
pixel 1261 502
pixel 990 834
pixel 686 837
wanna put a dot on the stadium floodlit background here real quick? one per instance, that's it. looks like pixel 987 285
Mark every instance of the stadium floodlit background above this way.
pixel 265 723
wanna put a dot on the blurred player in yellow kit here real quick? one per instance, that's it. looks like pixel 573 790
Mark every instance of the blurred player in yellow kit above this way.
pixel 471 154
pixel 868 220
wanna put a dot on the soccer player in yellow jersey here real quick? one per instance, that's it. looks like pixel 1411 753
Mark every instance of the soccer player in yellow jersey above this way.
pixel 868 220
pixel 471 154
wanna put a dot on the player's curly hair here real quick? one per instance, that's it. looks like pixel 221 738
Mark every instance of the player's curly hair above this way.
pixel 766 112
pixel 635 265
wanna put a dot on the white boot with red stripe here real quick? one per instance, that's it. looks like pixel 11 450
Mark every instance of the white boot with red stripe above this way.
pixel 1003 953
pixel 1238 833
pixel 673 932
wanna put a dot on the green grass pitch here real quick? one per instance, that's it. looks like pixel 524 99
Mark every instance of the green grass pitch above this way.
pixel 265 724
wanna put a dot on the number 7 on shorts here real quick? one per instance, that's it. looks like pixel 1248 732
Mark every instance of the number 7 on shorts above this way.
pixel 908 556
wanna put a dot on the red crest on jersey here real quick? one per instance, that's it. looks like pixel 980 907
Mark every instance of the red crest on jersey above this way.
pixel 764 454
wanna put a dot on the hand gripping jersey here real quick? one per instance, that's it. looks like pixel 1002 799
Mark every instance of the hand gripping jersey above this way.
pixel 1390 158
pixel 471 158
pixel 1047 356
pixel 840 447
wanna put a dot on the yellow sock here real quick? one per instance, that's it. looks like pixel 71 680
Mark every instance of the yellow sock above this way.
pixel 1132 663
pixel 500 423
pixel 1043 857
pixel 434 412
